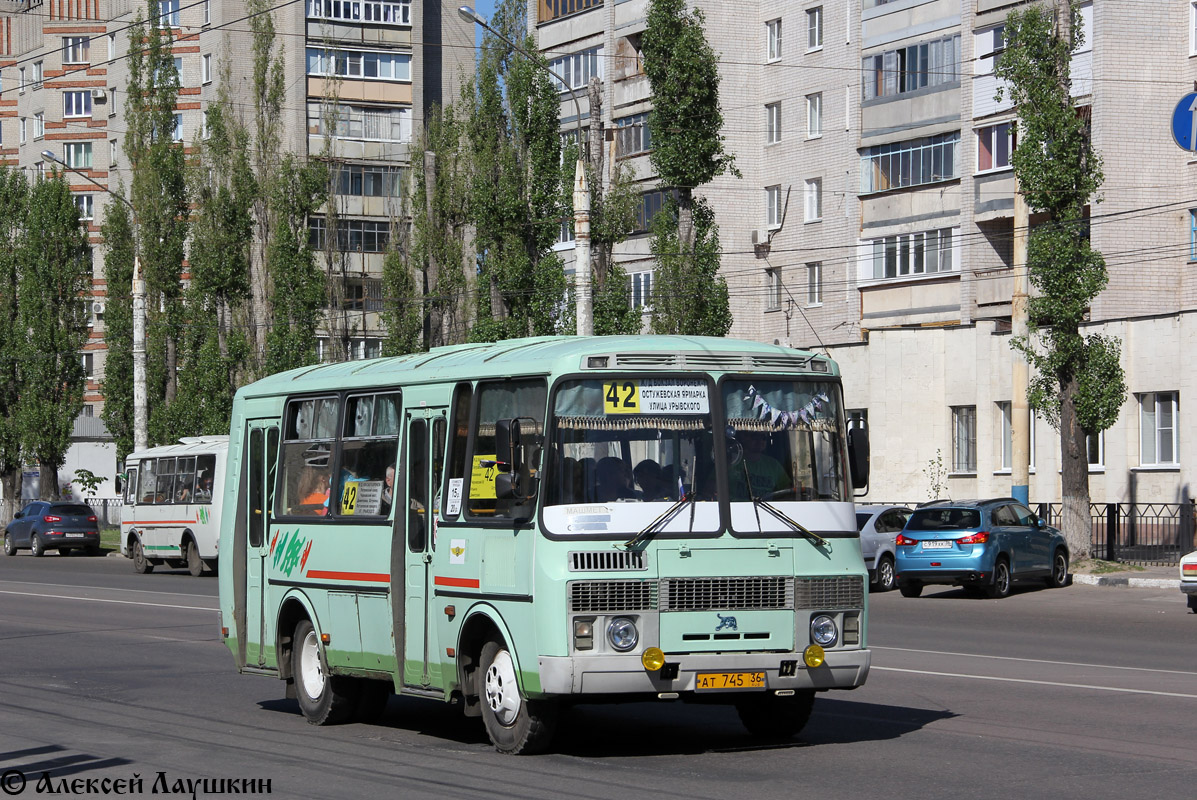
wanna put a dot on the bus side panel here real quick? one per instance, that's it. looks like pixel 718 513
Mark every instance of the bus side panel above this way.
pixel 233 533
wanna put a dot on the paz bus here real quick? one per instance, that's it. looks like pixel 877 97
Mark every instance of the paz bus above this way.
pixel 170 514
pixel 513 526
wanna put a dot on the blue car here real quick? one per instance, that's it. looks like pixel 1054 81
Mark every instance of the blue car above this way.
pixel 43 525
pixel 982 545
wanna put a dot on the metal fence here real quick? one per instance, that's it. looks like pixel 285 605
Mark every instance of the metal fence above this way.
pixel 1133 533
pixel 108 510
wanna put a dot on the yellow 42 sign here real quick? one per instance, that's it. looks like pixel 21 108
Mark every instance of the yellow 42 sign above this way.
pixel 621 398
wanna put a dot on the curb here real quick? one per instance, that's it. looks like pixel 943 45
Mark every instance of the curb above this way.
pixel 1132 583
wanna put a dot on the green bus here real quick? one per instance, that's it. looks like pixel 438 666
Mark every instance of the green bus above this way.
pixel 516 525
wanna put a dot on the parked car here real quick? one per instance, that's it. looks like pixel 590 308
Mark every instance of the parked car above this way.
pixel 982 545
pixel 1188 578
pixel 42 526
pixel 879 526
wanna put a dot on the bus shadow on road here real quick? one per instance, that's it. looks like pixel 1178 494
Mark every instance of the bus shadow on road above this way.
pixel 56 761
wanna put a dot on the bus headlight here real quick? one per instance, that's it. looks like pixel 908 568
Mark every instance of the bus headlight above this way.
pixel 622 634
pixel 823 631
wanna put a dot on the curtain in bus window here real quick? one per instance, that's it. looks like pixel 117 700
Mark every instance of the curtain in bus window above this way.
pixel 205 472
pixel 148 480
pixel 369 452
pixel 497 401
pixel 307 457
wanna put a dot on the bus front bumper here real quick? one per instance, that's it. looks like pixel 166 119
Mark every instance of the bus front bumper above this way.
pixel 564 675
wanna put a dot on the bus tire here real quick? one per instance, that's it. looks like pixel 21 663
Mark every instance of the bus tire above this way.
pixel 141 564
pixel 515 725
pixel 771 717
pixel 195 564
pixel 324 699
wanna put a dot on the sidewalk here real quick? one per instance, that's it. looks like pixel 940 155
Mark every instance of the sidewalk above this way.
pixel 1145 578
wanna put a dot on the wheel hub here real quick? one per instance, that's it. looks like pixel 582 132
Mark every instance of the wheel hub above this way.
pixel 502 691
pixel 311 675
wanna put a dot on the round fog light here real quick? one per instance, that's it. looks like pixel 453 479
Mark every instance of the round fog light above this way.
pixel 823 631
pixel 813 656
pixel 622 634
pixel 652 659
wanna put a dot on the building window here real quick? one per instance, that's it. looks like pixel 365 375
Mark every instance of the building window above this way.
pixel 814 283
pixel 912 254
pixel 814 115
pixel 75 50
pixel 206 68
pixel 364 123
pixel 357 180
pixel 651 204
pixel 88 361
pixel 988 45
pixel 1005 418
pixel 373 12
pixel 168 13
pixel 634 136
pixel 1095 450
pixel 207 12
pixel 814 28
pixel 858 419
pixel 362 294
pixel 21 81
pixel 1192 230
pixel 995 143
pixel 111 46
pixel 37 74
pixel 364 64
pixel 773 289
pixel 964 439
pixel 78 155
pixel 176 134
pixel 578 68
pixel 773 123
pixel 353 235
pixel 911 163
pixel 773 206
pixel 641 285
pixel 76 104
pixel 86 205
pixel 1157 429
pixel 22 130
pixel 814 200
pixel 911 68
pixel 773 37
pixel 113 150
pixel 39 125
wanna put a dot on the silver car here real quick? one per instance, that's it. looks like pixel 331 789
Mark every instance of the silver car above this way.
pixel 879 526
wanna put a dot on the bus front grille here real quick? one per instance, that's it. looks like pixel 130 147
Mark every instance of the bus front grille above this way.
pixel 709 594
pixel 607 561
pixel 840 592
pixel 604 596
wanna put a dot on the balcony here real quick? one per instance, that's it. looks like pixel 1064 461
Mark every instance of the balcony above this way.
pixel 395 13
pixel 556 9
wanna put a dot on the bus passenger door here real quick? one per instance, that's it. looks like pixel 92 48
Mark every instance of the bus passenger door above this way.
pixel 261 460
pixel 423 457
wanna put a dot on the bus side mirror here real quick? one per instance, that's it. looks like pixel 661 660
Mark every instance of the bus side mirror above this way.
pixel 514 480
pixel 858 459
pixel 507 445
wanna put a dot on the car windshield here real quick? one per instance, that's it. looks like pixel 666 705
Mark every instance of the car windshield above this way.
pixel 940 518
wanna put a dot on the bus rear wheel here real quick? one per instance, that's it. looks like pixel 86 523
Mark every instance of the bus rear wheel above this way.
pixel 771 717
pixel 141 564
pixel 195 564
pixel 324 699
pixel 515 725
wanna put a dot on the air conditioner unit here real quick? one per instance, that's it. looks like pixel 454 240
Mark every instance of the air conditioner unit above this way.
pixel 760 236
pixel 99 95
pixel 97 308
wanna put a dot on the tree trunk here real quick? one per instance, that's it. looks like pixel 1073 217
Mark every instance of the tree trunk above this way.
pixel 1074 475
pixel 172 371
pixel 259 292
pixel 434 302
pixel 595 143
pixel 10 488
pixel 47 481
pixel 685 223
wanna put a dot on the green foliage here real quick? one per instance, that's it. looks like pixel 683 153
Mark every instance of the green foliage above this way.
pixel 88 481
pixel 14 197
pixel 54 282
pixel 689 295
pixel 402 309
pixel 117 384
pixel 937 476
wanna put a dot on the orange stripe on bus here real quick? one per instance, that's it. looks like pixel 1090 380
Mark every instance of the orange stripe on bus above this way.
pixel 374 577
pixel 153 522
pixel 464 583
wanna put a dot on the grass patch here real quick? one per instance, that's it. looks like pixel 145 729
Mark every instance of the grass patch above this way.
pixel 110 538
pixel 1096 566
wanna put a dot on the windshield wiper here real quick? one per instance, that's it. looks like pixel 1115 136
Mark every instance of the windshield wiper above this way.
pixel 658 524
pixel 759 503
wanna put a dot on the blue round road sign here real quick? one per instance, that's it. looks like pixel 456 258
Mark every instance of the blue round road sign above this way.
pixel 1184 123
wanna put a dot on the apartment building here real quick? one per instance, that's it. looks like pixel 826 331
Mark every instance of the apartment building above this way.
pixel 381 63
pixel 874 217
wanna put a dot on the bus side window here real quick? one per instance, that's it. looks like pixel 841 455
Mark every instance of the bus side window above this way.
pixel 306 461
pixel 205 470
pixel 148 481
pixel 417 477
pixel 458 443
pixel 185 480
pixel 496 401
pixel 369 452
pixel 131 485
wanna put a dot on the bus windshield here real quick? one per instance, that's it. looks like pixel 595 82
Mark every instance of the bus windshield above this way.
pixel 629 440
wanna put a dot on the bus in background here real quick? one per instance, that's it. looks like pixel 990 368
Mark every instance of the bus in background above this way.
pixel 171 510
pixel 517 525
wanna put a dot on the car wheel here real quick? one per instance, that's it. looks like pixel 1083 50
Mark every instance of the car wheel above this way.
pixel 1059 576
pixel 141 564
pixel 1001 580
pixel 10 549
pixel 886 578
pixel 324 699
pixel 770 717
pixel 515 725
pixel 35 544
pixel 194 564
pixel 910 589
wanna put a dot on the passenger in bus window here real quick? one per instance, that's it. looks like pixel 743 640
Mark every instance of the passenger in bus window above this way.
pixel 614 480
pixel 183 495
pixel 203 492
pixel 313 492
pixel 388 492
pixel 651 480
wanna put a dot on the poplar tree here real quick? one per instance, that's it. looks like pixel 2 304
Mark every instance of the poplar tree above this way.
pixel 689 296
pixel 1078 383
pixel 14 194
pixel 117 383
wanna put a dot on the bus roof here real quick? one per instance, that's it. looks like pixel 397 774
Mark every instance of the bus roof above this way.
pixel 188 445
pixel 545 355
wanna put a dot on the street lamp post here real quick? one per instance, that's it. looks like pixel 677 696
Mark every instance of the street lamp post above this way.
pixel 140 434
pixel 582 290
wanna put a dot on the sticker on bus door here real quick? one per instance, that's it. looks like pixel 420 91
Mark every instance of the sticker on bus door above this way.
pixel 656 396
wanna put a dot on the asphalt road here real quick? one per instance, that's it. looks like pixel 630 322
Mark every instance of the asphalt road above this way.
pixel 1081 692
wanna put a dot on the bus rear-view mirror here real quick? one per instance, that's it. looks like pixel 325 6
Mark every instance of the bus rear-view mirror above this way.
pixel 858 459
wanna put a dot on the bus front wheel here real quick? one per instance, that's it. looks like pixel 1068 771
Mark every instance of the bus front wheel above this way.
pixel 195 564
pixel 771 717
pixel 141 564
pixel 516 726
pixel 324 699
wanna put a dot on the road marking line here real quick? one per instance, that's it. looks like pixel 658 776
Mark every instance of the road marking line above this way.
pixel 1034 660
pixel 99 600
pixel 1037 683
pixel 104 588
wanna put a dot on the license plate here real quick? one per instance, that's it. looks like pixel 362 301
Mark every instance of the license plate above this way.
pixel 937 544
pixel 729 680
pixel 76 535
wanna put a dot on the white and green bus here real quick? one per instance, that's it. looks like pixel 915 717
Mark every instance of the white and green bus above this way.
pixel 514 526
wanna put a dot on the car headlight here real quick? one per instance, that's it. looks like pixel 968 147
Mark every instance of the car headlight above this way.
pixel 622 634
pixel 823 631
